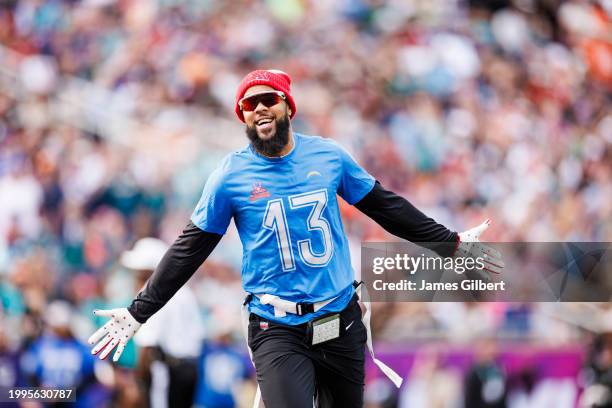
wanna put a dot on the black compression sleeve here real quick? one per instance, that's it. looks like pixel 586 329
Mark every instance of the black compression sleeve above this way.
pixel 396 215
pixel 179 263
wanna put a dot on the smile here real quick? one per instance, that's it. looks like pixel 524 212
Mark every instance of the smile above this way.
pixel 263 121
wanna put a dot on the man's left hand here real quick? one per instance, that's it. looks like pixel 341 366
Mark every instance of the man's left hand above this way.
pixel 471 247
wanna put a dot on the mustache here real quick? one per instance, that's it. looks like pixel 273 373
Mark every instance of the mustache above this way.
pixel 274 145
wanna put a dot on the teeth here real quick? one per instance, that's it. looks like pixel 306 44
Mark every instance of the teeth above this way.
pixel 264 121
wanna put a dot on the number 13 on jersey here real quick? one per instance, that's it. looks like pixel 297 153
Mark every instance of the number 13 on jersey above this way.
pixel 275 219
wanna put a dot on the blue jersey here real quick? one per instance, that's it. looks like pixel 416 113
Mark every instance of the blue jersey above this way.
pixel 58 362
pixel 287 216
pixel 220 367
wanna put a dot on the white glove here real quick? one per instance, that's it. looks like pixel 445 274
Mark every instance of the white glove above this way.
pixel 470 247
pixel 119 330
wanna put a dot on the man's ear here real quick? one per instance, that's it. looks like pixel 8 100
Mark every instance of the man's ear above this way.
pixel 289 111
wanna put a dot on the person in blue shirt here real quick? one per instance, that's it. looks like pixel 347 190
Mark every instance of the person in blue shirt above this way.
pixel 305 332
pixel 222 370
pixel 58 360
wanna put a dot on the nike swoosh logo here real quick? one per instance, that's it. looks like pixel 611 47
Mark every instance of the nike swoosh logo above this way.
pixel 347 327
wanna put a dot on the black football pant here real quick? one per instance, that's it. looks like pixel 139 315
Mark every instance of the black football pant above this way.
pixel 290 373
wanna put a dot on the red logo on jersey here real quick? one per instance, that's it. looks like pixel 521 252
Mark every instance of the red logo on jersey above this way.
pixel 264 325
pixel 259 192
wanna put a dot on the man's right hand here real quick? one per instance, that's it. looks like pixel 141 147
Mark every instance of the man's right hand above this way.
pixel 115 333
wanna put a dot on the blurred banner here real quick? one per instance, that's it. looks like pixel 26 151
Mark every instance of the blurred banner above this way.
pixel 533 272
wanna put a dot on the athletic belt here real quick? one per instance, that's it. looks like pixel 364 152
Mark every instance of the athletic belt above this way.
pixel 282 306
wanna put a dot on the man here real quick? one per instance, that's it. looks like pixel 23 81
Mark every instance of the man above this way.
pixel 58 360
pixel 171 340
pixel 222 369
pixel 282 193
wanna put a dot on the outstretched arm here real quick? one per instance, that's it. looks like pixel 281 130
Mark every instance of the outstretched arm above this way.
pixel 400 218
pixel 396 215
pixel 179 263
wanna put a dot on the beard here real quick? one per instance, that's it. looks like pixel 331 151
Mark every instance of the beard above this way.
pixel 273 146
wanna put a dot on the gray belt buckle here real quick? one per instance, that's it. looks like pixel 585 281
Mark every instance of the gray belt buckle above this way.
pixel 323 329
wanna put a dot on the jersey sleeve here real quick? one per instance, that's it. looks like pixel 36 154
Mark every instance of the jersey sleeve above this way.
pixel 214 212
pixel 355 182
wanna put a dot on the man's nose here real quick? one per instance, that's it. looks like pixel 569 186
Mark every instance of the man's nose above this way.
pixel 260 107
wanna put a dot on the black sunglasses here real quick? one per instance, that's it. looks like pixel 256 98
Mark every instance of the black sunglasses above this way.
pixel 268 99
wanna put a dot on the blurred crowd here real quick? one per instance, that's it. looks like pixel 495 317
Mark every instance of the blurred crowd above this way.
pixel 114 112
